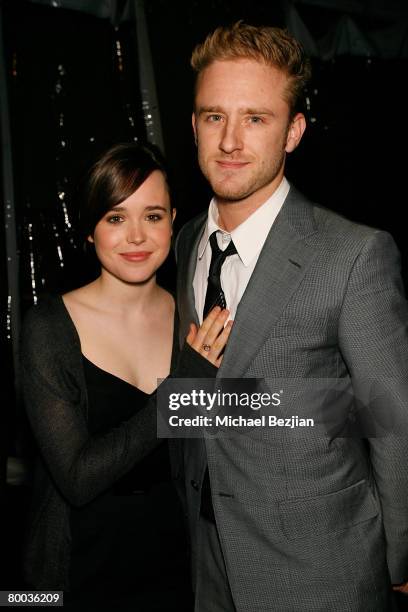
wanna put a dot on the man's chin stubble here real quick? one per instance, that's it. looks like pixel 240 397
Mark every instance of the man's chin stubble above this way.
pixel 231 195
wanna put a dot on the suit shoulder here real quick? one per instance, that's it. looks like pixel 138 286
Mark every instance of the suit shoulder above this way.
pixel 337 223
pixel 324 219
pixel 193 224
pixel 331 232
pixel 349 237
pixel 189 229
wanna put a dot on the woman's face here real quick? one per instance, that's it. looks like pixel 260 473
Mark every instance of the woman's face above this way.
pixel 132 240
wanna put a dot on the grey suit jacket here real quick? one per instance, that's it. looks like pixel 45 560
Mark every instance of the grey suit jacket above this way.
pixel 310 523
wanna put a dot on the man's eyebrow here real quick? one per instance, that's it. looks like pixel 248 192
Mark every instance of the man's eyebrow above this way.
pixel 257 111
pixel 242 111
pixel 210 109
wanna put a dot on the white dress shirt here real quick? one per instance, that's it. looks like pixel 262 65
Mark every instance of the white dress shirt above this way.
pixel 249 238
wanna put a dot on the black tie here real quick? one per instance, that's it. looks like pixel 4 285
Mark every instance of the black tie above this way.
pixel 214 297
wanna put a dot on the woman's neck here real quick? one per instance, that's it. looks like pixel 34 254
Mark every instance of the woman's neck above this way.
pixel 115 295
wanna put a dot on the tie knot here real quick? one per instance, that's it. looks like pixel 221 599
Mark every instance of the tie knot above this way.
pixel 216 251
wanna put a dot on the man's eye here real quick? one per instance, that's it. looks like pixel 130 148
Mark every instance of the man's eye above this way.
pixel 255 119
pixel 115 219
pixel 214 118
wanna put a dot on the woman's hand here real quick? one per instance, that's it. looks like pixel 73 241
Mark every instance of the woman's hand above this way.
pixel 211 337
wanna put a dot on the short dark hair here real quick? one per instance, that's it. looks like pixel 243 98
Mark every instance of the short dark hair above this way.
pixel 270 45
pixel 113 178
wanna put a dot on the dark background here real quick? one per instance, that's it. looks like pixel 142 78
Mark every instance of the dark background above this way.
pixel 73 89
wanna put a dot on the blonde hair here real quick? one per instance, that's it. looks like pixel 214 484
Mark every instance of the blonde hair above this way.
pixel 273 46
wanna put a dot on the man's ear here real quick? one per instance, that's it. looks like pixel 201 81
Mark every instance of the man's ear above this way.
pixel 193 122
pixel 295 132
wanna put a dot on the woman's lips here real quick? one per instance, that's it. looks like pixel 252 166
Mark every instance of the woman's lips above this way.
pixel 136 255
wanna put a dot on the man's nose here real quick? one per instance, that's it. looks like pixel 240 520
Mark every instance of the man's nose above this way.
pixel 231 139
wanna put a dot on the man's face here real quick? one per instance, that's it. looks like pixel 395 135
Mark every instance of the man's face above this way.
pixel 242 129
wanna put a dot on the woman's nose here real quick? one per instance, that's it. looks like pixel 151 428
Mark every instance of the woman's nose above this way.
pixel 136 233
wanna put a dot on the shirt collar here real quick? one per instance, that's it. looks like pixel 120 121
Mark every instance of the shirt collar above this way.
pixel 250 236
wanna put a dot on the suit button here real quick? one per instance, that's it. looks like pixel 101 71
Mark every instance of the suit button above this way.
pixel 194 484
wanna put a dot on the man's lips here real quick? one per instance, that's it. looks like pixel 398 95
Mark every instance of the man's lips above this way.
pixel 231 165
pixel 136 255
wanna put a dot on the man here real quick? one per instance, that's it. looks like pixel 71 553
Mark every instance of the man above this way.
pixel 279 522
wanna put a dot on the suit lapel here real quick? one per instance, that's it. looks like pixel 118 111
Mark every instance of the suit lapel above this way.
pixel 281 266
pixel 186 252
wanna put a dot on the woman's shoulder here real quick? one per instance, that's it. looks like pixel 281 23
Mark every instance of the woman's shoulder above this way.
pixel 167 298
pixel 48 318
pixel 171 311
pixel 47 308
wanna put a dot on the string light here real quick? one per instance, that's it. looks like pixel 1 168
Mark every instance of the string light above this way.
pixel 32 263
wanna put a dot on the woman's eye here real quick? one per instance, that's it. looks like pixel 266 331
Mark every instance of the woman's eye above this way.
pixel 115 219
pixel 153 217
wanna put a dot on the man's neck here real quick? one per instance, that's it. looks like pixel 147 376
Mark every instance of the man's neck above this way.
pixel 233 213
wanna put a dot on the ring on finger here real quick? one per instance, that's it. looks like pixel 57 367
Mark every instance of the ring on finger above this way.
pixel 207 347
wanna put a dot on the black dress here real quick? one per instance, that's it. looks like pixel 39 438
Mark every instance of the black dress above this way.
pixel 129 548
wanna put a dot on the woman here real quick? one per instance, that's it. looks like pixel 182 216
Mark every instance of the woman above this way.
pixel 105 516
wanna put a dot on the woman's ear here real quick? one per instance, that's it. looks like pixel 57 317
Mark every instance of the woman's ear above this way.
pixel 90 239
pixel 173 214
